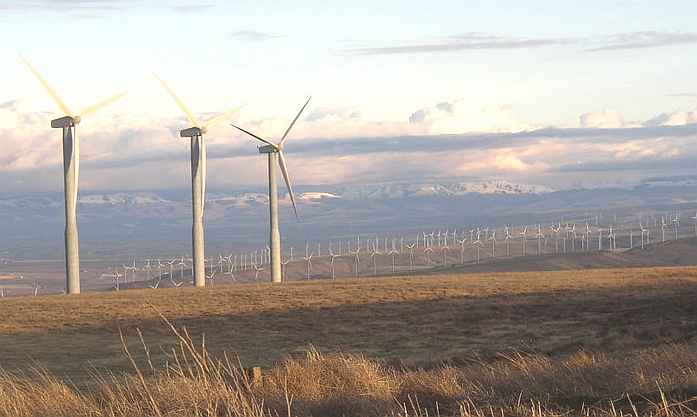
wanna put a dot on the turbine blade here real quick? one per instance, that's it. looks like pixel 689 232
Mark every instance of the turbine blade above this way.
pixel 56 98
pixel 254 136
pixel 189 115
pixel 285 135
pixel 220 117
pixel 286 178
pixel 100 105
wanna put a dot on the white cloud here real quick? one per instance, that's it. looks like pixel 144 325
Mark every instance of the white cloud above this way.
pixel 607 119
pixel 679 118
pixel 120 152
pixel 459 116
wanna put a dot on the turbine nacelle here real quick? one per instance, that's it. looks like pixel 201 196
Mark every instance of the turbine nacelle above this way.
pixel 192 132
pixel 268 149
pixel 65 122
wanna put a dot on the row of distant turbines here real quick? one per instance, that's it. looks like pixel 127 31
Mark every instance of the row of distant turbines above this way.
pixel 409 252
pixel 71 170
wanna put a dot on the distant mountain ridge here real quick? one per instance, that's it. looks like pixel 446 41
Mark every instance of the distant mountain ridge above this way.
pixel 307 194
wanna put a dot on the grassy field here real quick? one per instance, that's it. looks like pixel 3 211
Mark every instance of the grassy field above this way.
pixel 404 324
pixel 417 320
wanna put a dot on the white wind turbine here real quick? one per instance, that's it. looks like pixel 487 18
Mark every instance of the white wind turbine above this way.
pixel 356 256
pixel 663 229
pixel 611 239
pixel 276 157
pixel 411 254
pixel 332 258
pixel 644 232
pixel 427 254
pixel 462 249
pixel 133 270
pixel 374 251
pixel 478 244
pixel 522 237
pixel 555 231
pixel 443 251
pixel 71 173
pixel 676 225
pixel 508 237
pixel 308 260
pixel 492 238
pixel 539 237
pixel 199 163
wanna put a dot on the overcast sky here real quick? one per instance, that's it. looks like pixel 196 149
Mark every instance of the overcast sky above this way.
pixel 607 81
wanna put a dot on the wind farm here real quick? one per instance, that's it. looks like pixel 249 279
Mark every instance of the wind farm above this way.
pixel 449 210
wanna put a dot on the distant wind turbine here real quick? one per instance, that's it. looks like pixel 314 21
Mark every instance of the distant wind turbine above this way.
pixel 71 172
pixel 198 179
pixel 276 157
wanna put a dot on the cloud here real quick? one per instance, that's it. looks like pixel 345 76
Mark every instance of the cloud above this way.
pixel 459 116
pixel 679 118
pixel 684 95
pixel 644 39
pixel 476 41
pixel 607 119
pixel 339 145
pixel 69 6
pixel 191 8
pixel 469 41
pixel 323 113
pixel 252 36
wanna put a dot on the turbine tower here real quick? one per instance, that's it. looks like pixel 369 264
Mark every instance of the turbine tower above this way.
pixel 198 180
pixel 71 172
pixel 276 157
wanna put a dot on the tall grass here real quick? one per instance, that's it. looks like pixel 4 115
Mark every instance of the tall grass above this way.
pixel 655 382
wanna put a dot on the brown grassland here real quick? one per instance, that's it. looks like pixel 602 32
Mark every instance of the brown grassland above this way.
pixel 594 342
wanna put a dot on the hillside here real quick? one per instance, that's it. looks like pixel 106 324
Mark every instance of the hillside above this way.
pixel 417 320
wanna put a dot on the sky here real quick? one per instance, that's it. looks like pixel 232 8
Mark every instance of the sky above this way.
pixel 556 93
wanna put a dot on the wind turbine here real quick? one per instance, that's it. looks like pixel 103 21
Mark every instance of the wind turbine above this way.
pixel 71 173
pixel 492 238
pixel 356 257
pixel 663 229
pixel 462 248
pixel 522 237
pixel 308 261
pixel 332 258
pixel 676 225
pixel 478 244
pixel 276 157
pixel 644 232
pixel 508 237
pixel 198 179
pixel 411 254
pixel 374 251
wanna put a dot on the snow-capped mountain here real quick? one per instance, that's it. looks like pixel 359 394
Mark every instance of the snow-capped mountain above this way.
pixel 415 190
pixel 123 199
pixel 306 195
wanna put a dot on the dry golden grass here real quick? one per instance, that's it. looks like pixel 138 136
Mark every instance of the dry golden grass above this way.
pixel 416 321
pixel 650 382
